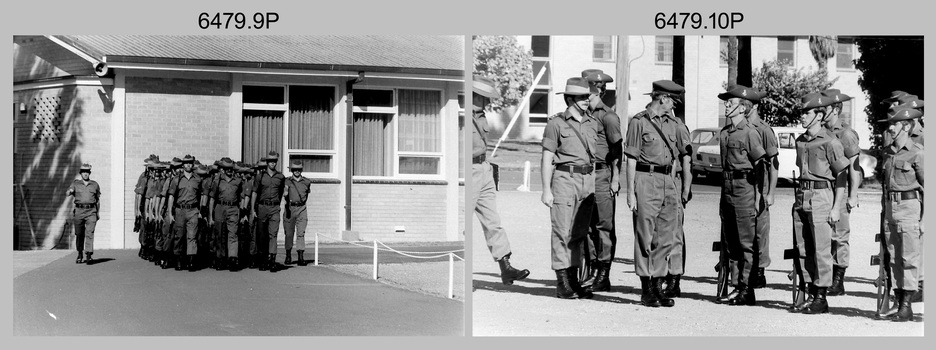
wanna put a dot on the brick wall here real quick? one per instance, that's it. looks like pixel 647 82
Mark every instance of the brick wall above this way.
pixel 76 131
pixel 379 208
pixel 323 209
pixel 172 118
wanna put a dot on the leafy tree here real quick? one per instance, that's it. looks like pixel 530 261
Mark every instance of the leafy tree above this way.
pixel 503 60
pixel 822 49
pixel 888 64
pixel 784 87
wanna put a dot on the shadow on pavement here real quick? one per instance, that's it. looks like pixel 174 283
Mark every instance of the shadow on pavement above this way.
pixel 99 261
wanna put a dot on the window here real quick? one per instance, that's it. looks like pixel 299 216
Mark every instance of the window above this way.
pixel 603 48
pixel 403 138
pixel 540 45
pixel 786 50
pixel 786 140
pixel 664 49
pixel 537 67
pixel 539 106
pixel 844 54
pixel 723 50
pixel 846 115
pixel 296 121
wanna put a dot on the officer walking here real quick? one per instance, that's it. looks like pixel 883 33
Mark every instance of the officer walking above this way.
pixel 569 184
pixel 849 140
pixel 602 237
pixel 268 193
pixel 224 205
pixel 184 196
pixel 87 194
pixel 651 146
pixel 483 193
pixel 903 207
pixel 821 160
pixel 741 149
pixel 295 217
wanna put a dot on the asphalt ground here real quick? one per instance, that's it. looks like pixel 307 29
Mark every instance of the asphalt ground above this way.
pixel 529 307
pixel 121 294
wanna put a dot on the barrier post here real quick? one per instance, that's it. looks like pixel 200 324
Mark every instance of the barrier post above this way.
pixel 316 248
pixel 525 187
pixel 375 259
pixel 451 280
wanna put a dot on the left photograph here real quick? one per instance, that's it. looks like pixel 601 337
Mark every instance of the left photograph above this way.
pixel 238 185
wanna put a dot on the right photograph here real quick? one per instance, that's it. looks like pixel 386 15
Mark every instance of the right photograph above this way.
pixel 702 185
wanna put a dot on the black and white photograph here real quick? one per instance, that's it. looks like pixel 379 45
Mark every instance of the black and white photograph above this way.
pixel 697 185
pixel 238 185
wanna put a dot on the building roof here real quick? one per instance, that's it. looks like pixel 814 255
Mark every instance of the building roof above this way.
pixel 443 55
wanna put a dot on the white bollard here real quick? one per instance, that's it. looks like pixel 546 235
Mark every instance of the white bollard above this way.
pixel 375 260
pixel 525 187
pixel 451 275
pixel 316 249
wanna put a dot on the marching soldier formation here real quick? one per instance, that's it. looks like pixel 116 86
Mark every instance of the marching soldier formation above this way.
pixel 223 216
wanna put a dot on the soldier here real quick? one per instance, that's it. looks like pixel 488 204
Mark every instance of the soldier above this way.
pixel 266 199
pixel 483 194
pixel 184 196
pixel 821 161
pixel 569 184
pixel 246 233
pixel 205 241
pixel 849 140
pixel 903 207
pixel 258 237
pixel 295 217
pixel 87 195
pixel 224 204
pixel 766 175
pixel 652 145
pixel 607 184
pixel 138 206
pixel 676 262
pixel 741 150
pixel 149 219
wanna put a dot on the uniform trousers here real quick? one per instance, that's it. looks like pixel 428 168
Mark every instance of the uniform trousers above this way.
pixel 84 220
pixel 840 250
pixel 225 219
pixel 186 232
pixel 812 234
pixel 655 222
pixel 601 234
pixel 483 195
pixel 904 241
pixel 269 225
pixel 295 226
pixel 676 263
pixel 570 214
pixel 738 213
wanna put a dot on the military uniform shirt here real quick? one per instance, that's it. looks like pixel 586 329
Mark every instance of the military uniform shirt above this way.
pixel 229 189
pixel 270 188
pixel 741 146
pixel 768 137
pixel 646 145
pixel 478 140
pixel 820 158
pixel 608 133
pixel 168 183
pixel 298 191
pixel 560 138
pixel 186 190
pixel 847 136
pixel 85 194
pixel 683 134
pixel 248 186
pixel 903 168
pixel 153 187
pixel 141 184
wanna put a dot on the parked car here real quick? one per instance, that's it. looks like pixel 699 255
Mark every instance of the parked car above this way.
pixel 705 140
pixel 707 159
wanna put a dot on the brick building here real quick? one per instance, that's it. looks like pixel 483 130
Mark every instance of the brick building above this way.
pixel 651 59
pixel 385 166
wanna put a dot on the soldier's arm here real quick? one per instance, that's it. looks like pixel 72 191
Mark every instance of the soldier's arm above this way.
pixel 838 164
pixel 71 190
pixel 547 171
pixel 617 150
pixel 631 183
pixel 136 205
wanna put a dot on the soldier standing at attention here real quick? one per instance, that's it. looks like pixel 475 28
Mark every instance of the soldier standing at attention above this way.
pixel 266 199
pixel 849 140
pixel 602 237
pixel 483 193
pixel 295 217
pixel 569 184
pixel 652 145
pixel 903 207
pixel 766 173
pixel 184 196
pixel 821 160
pixel 741 151
pixel 87 194
pixel 676 263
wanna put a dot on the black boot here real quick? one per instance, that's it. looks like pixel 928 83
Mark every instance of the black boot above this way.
pixel 895 306
pixel 80 258
pixel 759 280
pixel 672 287
pixel 905 311
pixel 647 298
pixel 288 257
pixel 574 283
pixel 602 283
pixel 592 273
pixel 838 281
pixel 233 264
pixel 800 301
pixel 301 260
pixel 509 274
pixel 918 296
pixel 656 285
pixel 744 297
pixel 272 262
pixel 262 261
pixel 819 304
pixel 563 290
pixel 87 259
pixel 192 266
pixel 180 263
pixel 729 296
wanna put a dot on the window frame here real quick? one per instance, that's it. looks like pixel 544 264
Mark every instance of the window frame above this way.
pixel 852 46
pixel 792 50
pixel 656 52
pixel 612 48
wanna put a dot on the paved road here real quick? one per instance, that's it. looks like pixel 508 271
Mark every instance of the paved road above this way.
pixel 123 295
pixel 530 308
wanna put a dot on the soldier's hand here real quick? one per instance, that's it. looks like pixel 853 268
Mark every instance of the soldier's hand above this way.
pixel 632 201
pixel 852 203
pixel 210 222
pixel 834 217
pixel 547 198
pixel 769 200
pixel 686 197
pixel 615 187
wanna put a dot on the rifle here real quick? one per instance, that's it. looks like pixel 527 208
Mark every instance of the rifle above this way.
pixel 883 282
pixel 796 276
pixel 723 266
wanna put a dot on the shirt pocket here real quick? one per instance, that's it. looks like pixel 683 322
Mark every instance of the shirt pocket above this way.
pixel 652 147
pixel 818 165
pixel 904 175
pixel 737 154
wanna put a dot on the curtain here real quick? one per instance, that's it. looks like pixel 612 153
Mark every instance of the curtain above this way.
pixel 371 149
pixel 263 132
pixel 311 122
pixel 420 126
